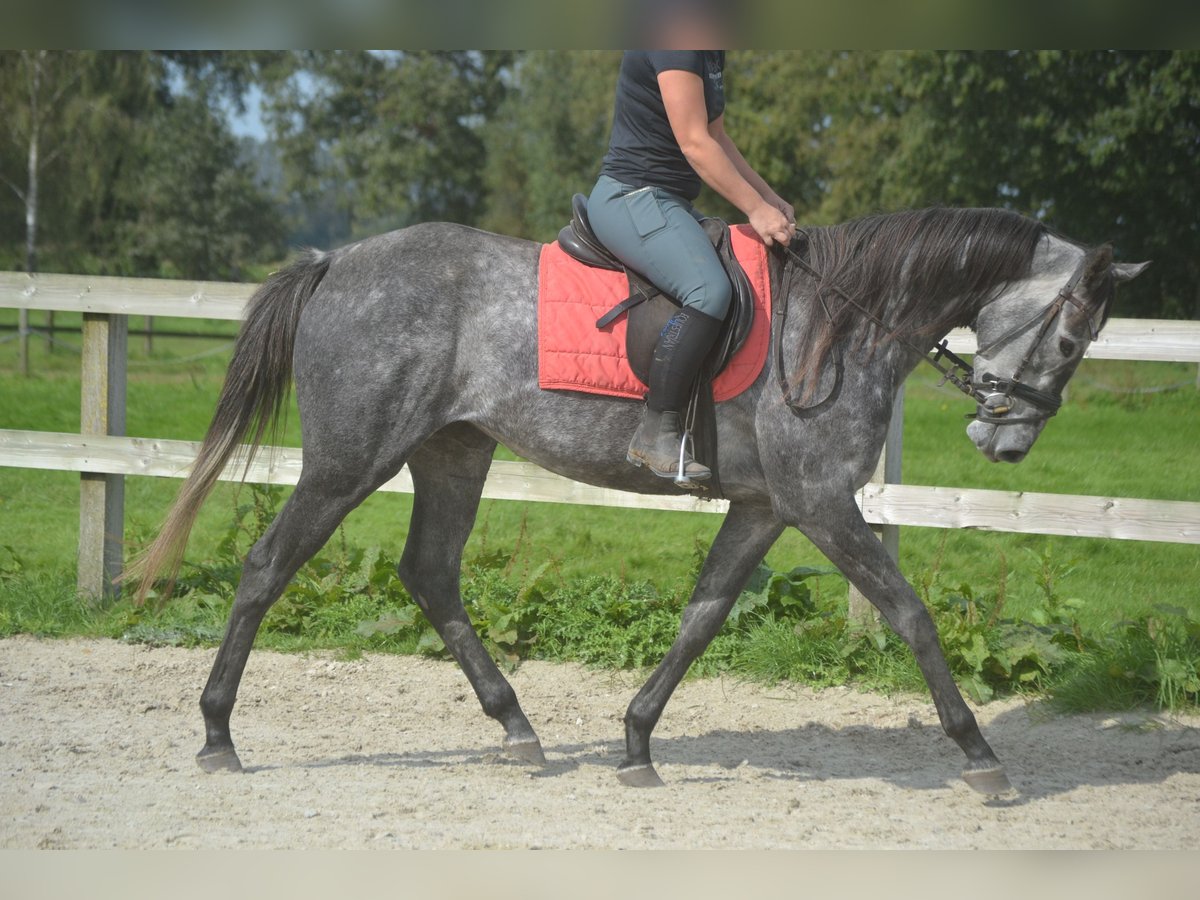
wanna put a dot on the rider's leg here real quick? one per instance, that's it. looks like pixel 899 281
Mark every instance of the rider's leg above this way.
pixel 658 234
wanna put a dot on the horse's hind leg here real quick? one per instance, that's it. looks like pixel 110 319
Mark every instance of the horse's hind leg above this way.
pixel 448 472
pixel 302 527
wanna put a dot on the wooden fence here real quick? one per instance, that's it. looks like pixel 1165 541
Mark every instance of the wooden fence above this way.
pixel 103 457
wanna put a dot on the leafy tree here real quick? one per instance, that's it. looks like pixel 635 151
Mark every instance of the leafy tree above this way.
pixel 777 113
pixel 136 171
pixel 225 76
pixel 398 134
pixel 200 212
pixel 39 105
pixel 115 134
pixel 1103 145
pixel 546 141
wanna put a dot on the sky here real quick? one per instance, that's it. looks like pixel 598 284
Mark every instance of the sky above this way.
pixel 249 123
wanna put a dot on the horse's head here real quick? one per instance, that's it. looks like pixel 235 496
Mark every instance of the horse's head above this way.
pixel 1031 339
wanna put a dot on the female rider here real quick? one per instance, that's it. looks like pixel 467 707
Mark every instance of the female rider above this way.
pixel 668 135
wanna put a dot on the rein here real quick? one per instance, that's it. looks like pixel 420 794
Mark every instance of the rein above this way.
pixel 993 394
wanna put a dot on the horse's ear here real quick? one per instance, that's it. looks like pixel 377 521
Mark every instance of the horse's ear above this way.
pixel 1128 271
pixel 1097 287
pixel 1096 266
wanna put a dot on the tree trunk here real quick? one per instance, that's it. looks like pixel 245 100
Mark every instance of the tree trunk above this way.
pixel 30 247
pixel 31 205
pixel 31 201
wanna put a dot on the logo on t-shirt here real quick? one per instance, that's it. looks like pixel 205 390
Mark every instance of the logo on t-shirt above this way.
pixel 715 76
pixel 714 88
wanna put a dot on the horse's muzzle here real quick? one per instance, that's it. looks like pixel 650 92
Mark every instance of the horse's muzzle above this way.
pixel 1009 444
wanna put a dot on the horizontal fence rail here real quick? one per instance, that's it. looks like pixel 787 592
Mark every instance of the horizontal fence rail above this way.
pixel 125 296
pixel 882 504
pixel 109 301
pixel 507 480
pixel 1163 340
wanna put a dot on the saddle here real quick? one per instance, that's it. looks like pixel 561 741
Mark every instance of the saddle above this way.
pixel 647 308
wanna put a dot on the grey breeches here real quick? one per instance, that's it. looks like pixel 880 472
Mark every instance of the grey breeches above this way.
pixel 658 234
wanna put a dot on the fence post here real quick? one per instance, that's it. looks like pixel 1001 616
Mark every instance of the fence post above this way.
pixel 102 411
pixel 887 471
pixel 149 343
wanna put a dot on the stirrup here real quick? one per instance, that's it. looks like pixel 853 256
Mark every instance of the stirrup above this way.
pixel 681 477
pixel 686 448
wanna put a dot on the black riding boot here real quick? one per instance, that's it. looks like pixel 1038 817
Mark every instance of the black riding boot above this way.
pixel 682 346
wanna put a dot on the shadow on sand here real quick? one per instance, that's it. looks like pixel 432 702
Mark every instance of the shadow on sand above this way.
pixel 1045 754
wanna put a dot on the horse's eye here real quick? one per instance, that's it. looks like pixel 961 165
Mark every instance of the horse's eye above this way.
pixel 1066 346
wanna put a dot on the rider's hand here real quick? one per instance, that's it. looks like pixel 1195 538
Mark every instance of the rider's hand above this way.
pixel 783 206
pixel 772 224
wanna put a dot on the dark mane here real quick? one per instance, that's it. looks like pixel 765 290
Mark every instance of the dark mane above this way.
pixel 922 271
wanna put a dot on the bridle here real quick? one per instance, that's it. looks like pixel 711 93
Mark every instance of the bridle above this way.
pixel 998 393
pixel 993 395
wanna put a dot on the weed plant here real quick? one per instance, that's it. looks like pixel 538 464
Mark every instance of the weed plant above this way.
pixel 789 625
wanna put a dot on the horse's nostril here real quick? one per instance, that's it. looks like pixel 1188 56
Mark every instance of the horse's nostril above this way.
pixel 1011 456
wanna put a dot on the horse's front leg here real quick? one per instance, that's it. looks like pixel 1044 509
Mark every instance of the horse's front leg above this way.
pixel 838 529
pixel 744 539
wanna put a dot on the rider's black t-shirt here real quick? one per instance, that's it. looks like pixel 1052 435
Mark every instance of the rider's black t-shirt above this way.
pixel 642 150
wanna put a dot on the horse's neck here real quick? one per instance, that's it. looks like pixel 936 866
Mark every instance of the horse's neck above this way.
pixel 891 364
pixel 893 360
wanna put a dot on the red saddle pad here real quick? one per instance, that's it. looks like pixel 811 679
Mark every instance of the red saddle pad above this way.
pixel 575 355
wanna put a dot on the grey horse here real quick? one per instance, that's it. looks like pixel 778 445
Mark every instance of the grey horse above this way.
pixel 418 347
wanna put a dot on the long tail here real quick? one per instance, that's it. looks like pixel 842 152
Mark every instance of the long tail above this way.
pixel 252 401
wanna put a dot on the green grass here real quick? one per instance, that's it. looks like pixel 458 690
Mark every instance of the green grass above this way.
pixel 784 626
pixel 1101 443
pixel 606 586
pixel 1153 660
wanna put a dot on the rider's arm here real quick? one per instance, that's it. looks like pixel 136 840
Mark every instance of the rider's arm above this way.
pixel 717 129
pixel 683 98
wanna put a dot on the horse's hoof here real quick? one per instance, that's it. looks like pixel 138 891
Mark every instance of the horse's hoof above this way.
pixel 224 760
pixel 528 750
pixel 992 782
pixel 641 775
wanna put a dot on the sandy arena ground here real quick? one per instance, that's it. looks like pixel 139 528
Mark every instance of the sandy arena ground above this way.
pixel 97 741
